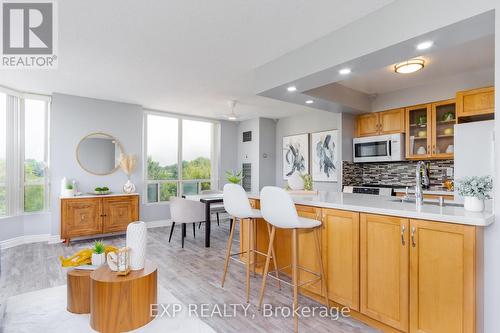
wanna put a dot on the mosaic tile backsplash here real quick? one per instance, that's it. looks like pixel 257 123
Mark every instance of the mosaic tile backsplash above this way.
pixel 393 173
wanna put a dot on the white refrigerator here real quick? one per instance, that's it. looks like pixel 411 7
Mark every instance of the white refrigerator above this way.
pixel 474 149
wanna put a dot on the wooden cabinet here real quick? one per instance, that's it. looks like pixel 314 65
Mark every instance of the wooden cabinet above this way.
pixel 91 216
pixel 442 278
pixel 430 131
pixel 377 123
pixel 476 102
pixel 341 256
pixel 384 259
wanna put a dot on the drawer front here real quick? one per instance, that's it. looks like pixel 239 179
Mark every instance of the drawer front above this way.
pixel 119 212
pixel 81 217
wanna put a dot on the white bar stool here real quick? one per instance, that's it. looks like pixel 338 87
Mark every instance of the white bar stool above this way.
pixel 279 211
pixel 237 205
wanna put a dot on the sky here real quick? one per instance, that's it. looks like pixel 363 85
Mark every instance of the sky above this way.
pixel 162 137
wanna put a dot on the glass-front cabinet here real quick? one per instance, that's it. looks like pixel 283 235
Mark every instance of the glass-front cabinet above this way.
pixel 418 131
pixel 429 130
pixel 444 117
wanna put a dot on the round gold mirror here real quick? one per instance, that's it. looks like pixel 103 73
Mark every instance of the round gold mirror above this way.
pixel 99 153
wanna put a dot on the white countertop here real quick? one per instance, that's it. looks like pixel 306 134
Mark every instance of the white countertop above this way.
pixel 88 195
pixel 384 205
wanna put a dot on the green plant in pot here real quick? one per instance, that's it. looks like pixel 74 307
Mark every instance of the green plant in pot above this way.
pixel 101 190
pixel 308 183
pixel 448 116
pixel 422 120
pixel 474 190
pixel 233 177
pixel 98 253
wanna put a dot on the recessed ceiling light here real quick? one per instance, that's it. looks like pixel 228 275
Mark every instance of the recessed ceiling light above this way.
pixel 345 71
pixel 425 45
pixel 292 88
pixel 409 66
pixel 309 101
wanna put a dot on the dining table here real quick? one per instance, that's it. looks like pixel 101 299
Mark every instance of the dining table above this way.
pixel 208 200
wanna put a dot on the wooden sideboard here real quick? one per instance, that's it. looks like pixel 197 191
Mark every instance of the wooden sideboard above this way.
pixel 96 215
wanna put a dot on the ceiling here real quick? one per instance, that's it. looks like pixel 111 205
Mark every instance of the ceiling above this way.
pixel 185 56
pixel 463 58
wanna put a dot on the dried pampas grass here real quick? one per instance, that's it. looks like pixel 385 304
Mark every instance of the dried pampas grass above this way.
pixel 128 163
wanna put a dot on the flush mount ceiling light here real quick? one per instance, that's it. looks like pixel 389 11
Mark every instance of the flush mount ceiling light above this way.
pixel 409 66
pixel 292 88
pixel 309 101
pixel 345 71
pixel 425 45
pixel 232 116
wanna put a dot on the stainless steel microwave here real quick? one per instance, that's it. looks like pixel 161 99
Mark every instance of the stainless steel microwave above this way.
pixel 380 148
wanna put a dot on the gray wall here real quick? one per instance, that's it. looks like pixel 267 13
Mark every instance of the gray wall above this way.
pixel 316 121
pixel 248 152
pixel 267 152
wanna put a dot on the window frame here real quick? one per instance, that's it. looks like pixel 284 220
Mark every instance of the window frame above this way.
pixel 179 181
pixel 15 153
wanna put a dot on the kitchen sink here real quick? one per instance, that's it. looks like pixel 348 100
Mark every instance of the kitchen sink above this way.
pixel 432 203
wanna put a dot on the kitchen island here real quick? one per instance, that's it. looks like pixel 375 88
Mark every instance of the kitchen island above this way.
pixel 398 267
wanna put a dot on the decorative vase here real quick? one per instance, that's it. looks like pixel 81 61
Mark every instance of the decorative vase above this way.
pixel 295 182
pixel 98 259
pixel 68 192
pixel 473 204
pixel 129 187
pixel 137 234
pixel 112 260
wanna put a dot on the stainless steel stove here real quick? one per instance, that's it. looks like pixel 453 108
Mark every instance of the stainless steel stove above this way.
pixel 369 189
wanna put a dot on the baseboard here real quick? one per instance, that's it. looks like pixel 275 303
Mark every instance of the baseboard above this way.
pixel 27 239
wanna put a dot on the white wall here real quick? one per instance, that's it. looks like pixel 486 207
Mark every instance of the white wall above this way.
pixel 316 121
pixel 228 150
pixel 442 89
pixel 248 152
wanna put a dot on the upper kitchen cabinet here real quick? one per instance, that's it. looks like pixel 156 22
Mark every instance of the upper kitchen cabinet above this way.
pixel 367 124
pixel 418 131
pixel 429 129
pixel 443 119
pixel 475 104
pixel 376 123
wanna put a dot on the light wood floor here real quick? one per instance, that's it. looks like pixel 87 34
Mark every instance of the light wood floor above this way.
pixel 192 275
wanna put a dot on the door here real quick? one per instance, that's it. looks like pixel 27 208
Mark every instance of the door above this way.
pixel 341 259
pixel 367 124
pixel 442 277
pixel 118 212
pixel 384 261
pixel 392 121
pixel 476 102
pixel 443 121
pixel 418 131
pixel 81 217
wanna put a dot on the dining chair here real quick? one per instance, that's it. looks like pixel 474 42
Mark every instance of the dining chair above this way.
pixel 236 203
pixel 185 211
pixel 278 209
pixel 214 208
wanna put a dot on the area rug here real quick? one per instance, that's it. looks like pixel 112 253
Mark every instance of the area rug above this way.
pixel 45 311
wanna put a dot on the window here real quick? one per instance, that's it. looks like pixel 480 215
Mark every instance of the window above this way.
pixel 169 140
pixel 3 154
pixel 35 124
pixel 23 153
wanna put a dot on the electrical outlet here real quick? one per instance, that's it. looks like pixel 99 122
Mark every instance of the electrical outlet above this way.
pixel 449 172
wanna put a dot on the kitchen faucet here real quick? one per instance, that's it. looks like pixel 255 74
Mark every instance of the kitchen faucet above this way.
pixel 419 197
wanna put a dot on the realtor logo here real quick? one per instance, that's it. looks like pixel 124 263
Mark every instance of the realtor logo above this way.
pixel 28 34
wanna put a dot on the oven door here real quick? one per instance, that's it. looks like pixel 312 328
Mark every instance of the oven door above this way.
pixel 373 149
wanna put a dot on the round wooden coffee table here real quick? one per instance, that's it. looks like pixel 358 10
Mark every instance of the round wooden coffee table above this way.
pixel 122 303
pixel 78 282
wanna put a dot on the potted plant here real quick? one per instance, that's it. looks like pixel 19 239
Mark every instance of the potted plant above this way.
pixel 69 191
pixel 474 190
pixel 98 253
pixel 233 177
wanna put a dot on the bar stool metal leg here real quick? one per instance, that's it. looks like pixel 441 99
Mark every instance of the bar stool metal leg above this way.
pixel 321 267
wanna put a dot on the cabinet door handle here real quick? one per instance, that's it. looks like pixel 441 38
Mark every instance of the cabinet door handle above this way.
pixel 403 228
pixel 413 237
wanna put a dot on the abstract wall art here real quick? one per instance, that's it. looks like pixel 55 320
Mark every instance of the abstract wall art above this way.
pixel 325 156
pixel 295 154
